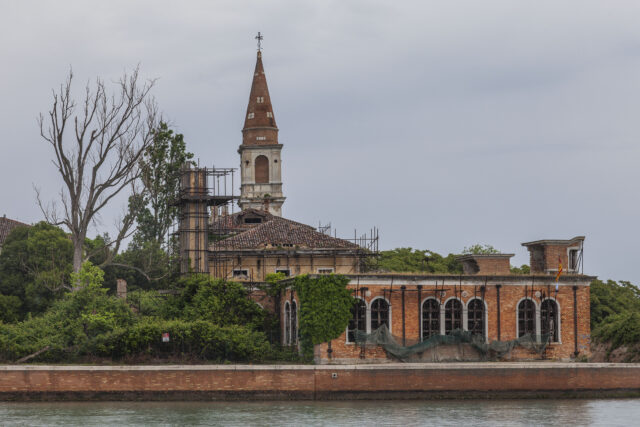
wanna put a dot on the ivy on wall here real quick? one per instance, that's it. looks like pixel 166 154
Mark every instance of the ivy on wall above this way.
pixel 324 308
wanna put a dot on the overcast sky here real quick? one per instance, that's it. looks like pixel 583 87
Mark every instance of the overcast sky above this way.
pixel 442 123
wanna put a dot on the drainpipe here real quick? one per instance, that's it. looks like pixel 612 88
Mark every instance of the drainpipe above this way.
pixel 575 321
pixel 419 312
pixel 404 338
pixel 498 306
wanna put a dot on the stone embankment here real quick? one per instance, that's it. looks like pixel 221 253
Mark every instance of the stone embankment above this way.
pixel 326 382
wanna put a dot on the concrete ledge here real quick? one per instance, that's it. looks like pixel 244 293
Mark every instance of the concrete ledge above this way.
pixel 325 382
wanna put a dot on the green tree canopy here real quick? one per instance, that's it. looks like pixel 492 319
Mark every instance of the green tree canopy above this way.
pixel 35 264
pixel 479 249
pixel 417 261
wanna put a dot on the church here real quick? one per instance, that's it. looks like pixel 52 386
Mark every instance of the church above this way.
pixel 549 307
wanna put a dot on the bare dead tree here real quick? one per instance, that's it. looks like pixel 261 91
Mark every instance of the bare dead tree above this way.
pixel 97 152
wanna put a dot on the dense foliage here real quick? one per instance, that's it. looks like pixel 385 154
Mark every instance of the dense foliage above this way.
pixel 35 264
pixel 416 261
pixel 209 320
pixel 325 308
pixel 479 249
pixel 615 314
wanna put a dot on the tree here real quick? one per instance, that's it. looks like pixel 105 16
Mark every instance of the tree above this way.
pixel 97 153
pixel 35 264
pixel 416 261
pixel 479 249
pixel 160 175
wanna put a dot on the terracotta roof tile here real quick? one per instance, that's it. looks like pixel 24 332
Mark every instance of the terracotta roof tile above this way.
pixel 279 231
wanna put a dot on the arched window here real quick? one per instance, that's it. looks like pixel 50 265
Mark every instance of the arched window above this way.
pixel 379 313
pixel 452 316
pixel 526 318
pixel 475 317
pixel 430 318
pixel 358 321
pixel 294 323
pixel 262 170
pixel 549 319
pixel 287 323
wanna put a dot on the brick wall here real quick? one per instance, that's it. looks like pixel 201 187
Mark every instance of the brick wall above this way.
pixel 308 382
pixel 512 291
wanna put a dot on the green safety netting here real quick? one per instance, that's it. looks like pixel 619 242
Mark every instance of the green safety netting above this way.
pixel 459 345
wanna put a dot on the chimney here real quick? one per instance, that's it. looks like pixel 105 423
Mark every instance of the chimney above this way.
pixel 486 264
pixel 121 290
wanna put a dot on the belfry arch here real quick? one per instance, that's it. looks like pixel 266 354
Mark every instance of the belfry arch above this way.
pixel 262 170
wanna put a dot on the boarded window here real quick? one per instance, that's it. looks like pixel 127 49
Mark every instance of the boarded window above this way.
pixel 430 318
pixel 262 170
pixel 475 314
pixel 452 316
pixel 549 319
pixel 526 318
pixel 358 321
pixel 287 323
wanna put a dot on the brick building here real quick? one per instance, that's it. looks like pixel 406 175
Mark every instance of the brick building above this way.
pixel 487 299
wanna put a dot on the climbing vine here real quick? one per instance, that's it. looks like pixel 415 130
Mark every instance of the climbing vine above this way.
pixel 325 308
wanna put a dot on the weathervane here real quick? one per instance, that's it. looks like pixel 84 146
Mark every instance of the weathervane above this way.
pixel 259 37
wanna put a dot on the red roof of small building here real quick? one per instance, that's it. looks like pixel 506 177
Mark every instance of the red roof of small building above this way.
pixel 6 225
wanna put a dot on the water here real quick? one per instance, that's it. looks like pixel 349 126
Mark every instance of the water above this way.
pixel 619 412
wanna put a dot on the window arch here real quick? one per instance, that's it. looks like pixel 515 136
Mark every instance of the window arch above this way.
pixel 358 321
pixel 476 317
pixel 452 315
pixel 287 323
pixel 549 319
pixel 430 318
pixel 262 170
pixel 294 322
pixel 379 313
pixel 526 317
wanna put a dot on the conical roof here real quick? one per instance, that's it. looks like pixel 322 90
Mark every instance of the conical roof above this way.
pixel 259 123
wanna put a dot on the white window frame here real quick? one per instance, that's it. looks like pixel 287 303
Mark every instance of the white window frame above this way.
pixel 282 270
pixel 366 322
pixel 536 316
pixel 440 307
pixel 486 317
pixel 369 314
pixel 251 115
pixel 559 319
pixel 326 270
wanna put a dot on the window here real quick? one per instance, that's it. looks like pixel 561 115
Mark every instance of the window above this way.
pixel 287 323
pixel 294 323
pixel 574 259
pixel 379 313
pixel 325 270
pixel 475 317
pixel 251 115
pixel 261 138
pixel 452 316
pixel 526 318
pixel 253 220
pixel 285 271
pixel 549 319
pixel 262 170
pixel 358 321
pixel 430 318
pixel 240 273
pixel 269 114
pixel 260 99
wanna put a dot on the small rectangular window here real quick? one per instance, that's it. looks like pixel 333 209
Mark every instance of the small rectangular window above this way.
pixel 260 99
pixel 240 273
pixel 285 271
pixel 261 138
pixel 251 115
pixel 574 256
pixel 269 114
pixel 325 270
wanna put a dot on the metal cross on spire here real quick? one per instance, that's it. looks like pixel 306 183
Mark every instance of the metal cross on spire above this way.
pixel 259 37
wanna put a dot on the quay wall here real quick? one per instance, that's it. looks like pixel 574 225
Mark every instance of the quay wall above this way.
pixel 325 382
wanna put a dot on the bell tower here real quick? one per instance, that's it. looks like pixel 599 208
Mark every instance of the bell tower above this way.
pixel 260 161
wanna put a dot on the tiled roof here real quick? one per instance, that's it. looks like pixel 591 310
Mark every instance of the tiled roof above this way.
pixel 280 232
pixel 6 225
pixel 235 221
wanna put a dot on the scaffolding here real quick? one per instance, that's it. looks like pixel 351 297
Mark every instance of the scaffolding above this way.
pixel 202 190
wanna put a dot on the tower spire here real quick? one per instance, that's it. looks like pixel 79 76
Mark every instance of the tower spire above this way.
pixel 260 161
